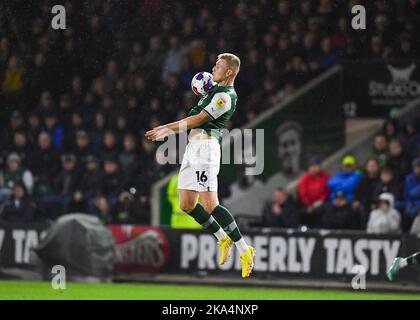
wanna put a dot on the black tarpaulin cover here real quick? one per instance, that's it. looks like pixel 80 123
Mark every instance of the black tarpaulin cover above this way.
pixel 80 243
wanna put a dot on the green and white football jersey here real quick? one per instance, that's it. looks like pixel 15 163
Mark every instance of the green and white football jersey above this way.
pixel 220 104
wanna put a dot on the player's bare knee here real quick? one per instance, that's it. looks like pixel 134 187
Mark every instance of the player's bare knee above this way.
pixel 210 206
pixel 187 206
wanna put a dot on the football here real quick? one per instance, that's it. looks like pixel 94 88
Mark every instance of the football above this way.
pixel 201 83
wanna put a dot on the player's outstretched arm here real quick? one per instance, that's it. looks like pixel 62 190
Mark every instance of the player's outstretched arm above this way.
pixel 165 130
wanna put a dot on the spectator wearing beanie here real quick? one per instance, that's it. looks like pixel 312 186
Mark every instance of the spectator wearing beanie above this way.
pixel 345 181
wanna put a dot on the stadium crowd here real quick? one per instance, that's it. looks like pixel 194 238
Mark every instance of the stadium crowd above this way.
pixel 76 102
pixel 379 194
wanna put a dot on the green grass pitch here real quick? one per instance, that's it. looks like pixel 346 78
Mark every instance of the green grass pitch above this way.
pixel 117 291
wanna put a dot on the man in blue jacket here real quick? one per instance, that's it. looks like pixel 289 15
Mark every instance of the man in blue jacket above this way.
pixel 412 194
pixel 345 181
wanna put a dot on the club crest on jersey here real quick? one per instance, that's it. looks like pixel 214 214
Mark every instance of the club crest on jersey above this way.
pixel 220 103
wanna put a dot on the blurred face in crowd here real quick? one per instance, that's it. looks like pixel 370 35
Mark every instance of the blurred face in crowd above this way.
pixel 76 84
pixel 129 142
pixel 110 167
pixel 380 143
pixel 283 7
pixel 99 120
pixel 384 205
pixel 76 120
pixel 390 129
pixel 410 128
pixel 18 191
pixel 20 139
pixel 16 122
pixel 280 196
pixel 121 123
pixel 395 148
pixel 376 45
pixel 69 165
pixel 44 140
pixel 314 169
pixel 342 24
pixel 82 142
pixel 348 169
pixel 173 41
pixel 33 121
pixel 109 140
pixel 112 67
pixel 386 176
pixel 39 59
pixel 65 102
pixel 172 82
pixel 416 170
pixel 147 146
pixel 107 102
pixel 326 45
pixel 92 165
pixel 340 201
pixel 13 165
pixel 13 64
pixel 372 168
pixel 46 100
pixel 50 121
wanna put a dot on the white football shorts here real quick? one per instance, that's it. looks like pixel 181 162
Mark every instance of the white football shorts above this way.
pixel 200 166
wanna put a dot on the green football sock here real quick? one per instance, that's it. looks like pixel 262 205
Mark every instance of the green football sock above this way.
pixel 204 218
pixel 227 222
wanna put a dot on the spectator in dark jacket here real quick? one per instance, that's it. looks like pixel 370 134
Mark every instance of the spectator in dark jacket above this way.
pixel 91 184
pixel 282 212
pixel 112 180
pixel 20 208
pixel 128 209
pixel 339 214
pixel 110 146
pixel 379 150
pixel 67 180
pixel 83 148
pixel 410 137
pixel 390 128
pixel 44 160
pixel 345 181
pixel 364 191
pixel 399 161
pixel 412 195
pixel 129 157
pixel 387 184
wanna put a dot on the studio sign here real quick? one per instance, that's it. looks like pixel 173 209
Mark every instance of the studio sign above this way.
pixel 401 85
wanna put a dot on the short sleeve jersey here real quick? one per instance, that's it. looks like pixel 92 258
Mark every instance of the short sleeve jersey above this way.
pixel 219 104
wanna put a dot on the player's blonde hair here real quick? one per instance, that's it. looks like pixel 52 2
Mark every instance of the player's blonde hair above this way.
pixel 232 61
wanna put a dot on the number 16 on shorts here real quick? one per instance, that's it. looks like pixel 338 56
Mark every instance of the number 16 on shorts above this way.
pixel 201 177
